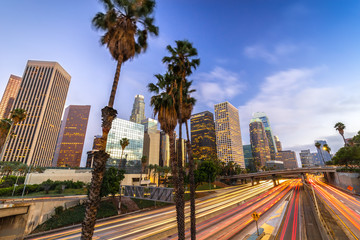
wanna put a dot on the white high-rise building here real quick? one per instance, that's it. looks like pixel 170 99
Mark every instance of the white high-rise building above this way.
pixel 228 134
pixel 42 94
pixel 138 111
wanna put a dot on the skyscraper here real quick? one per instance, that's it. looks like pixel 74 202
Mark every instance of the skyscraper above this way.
pixel 324 155
pixel 249 158
pixel 278 143
pixel 133 152
pixel 228 134
pixel 138 111
pixel 306 158
pixel 265 120
pixel 259 142
pixel 150 125
pixel 42 94
pixel 90 154
pixel 288 158
pixel 8 98
pixel 71 138
pixel 203 137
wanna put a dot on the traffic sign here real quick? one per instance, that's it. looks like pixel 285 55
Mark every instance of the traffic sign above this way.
pixel 255 216
pixel 350 188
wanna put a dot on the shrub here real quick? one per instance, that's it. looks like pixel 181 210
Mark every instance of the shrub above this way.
pixel 59 210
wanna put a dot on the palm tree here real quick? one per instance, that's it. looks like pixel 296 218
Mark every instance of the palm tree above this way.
pixel 167 170
pixel 340 128
pixel 155 172
pixel 126 25
pixel 150 168
pixel 318 145
pixel 163 103
pixel 124 142
pixel 181 62
pixel 143 166
pixel 17 115
pixel 5 125
pixel 188 105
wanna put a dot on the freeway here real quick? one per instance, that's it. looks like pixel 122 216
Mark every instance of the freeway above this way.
pixel 290 226
pixel 232 223
pixel 344 206
pixel 162 222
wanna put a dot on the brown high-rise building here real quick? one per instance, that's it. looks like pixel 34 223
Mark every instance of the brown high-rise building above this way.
pixel 71 138
pixel 8 98
pixel 90 154
pixel 42 94
pixel 228 134
pixel 259 143
pixel 288 157
pixel 203 137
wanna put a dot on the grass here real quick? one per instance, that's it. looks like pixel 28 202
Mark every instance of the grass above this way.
pixel 205 186
pixel 75 215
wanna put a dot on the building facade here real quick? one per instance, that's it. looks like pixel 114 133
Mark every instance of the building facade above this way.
pixel 306 158
pixel 90 154
pixel 42 94
pixel 125 129
pixel 269 134
pixel 325 156
pixel 9 95
pixel 228 134
pixel 288 158
pixel 152 147
pixel 278 144
pixel 138 111
pixel 249 158
pixel 203 137
pixel 317 160
pixel 164 150
pixel 150 125
pixel 259 143
pixel 274 165
pixel 71 138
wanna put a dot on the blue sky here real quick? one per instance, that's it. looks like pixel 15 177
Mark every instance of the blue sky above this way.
pixel 298 61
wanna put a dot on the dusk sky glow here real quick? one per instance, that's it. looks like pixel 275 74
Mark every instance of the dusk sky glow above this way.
pixel 298 61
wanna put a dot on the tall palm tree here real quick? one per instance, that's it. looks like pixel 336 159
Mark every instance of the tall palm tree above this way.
pixel 126 25
pixel 340 128
pixel 181 63
pixel 318 145
pixel 17 115
pixel 124 142
pixel 143 166
pixel 187 108
pixel 164 105
pixel 155 172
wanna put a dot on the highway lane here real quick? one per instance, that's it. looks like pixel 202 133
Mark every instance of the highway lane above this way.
pixel 344 206
pixel 290 226
pixel 150 224
pixel 230 224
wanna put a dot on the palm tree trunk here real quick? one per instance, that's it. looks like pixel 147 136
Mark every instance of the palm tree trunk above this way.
pixel 6 141
pixel 345 144
pixel 115 83
pixel 192 185
pixel 180 196
pixel 108 115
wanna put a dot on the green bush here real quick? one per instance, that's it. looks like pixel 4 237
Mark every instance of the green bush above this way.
pixel 10 180
pixel 18 190
pixel 59 210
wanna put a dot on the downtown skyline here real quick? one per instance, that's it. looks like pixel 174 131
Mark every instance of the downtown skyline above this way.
pixel 294 61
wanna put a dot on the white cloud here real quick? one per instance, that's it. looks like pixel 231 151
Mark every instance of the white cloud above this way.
pixel 270 55
pixel 301 110
pixel 218 85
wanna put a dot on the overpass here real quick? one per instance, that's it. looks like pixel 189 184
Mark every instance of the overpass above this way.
pixel 283 172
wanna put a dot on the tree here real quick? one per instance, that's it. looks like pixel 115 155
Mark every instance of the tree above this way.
pixel 206 172
pixel 124 142
pixel 163 103
pixel 181 63
pixel 318 145
pixel 17 115
pixel 155 172
pixel 340 128
pixel 143 166
pixel 150 168
pixel 5 125
pixel 126 25
pixel 111 181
